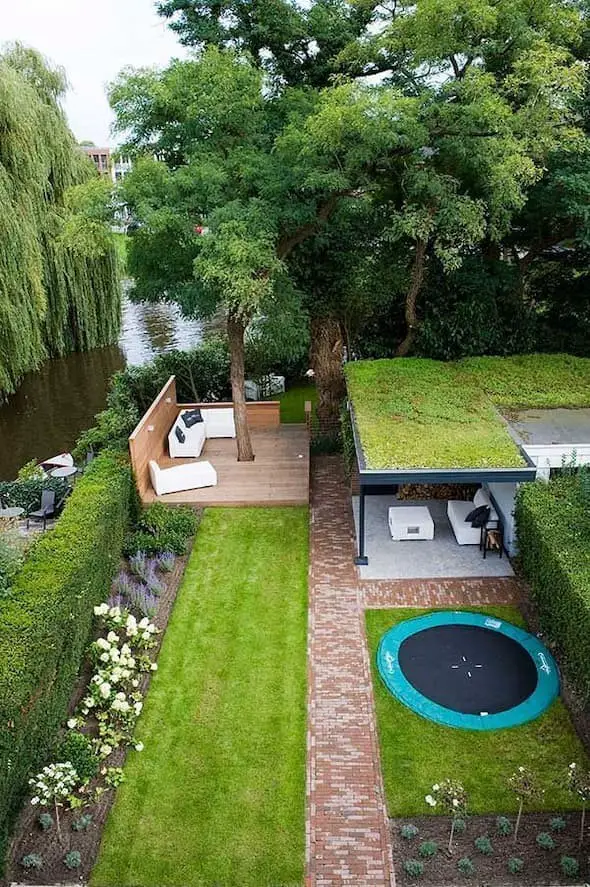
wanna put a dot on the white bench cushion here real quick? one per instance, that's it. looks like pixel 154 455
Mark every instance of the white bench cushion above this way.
pixel 220 422
pixel 194 439
pixel 182 477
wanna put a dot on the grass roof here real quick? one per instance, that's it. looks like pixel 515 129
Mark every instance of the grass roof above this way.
pixel 418 413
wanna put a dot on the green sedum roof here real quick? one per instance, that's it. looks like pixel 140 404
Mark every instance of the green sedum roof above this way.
pixel 418 413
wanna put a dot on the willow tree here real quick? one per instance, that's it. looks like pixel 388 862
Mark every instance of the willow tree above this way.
pixel 59 287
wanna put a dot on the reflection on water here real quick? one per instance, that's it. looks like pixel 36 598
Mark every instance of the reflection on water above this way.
pixel 53 406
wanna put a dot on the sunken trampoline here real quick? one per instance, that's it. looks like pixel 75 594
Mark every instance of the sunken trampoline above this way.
pixel 468 670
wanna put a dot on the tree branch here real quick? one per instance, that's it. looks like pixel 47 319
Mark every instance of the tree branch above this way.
pixel 288 242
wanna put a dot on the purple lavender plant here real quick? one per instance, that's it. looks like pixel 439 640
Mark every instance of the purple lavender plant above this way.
pixel 139 566
pixel 153 582
pixel 121 586
pixel 166 561
pixel 142 600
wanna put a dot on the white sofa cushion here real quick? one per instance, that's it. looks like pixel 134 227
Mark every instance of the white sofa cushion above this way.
pixel 182 477
pixel 219 422
pixel 194 439
pixel 458 510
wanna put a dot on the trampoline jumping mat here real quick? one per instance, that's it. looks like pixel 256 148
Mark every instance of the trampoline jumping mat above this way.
pixel 468 670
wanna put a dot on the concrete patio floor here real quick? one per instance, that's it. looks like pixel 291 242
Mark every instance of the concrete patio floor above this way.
pixel 437 559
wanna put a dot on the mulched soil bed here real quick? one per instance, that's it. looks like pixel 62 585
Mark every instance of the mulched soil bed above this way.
pixel 28 835
pixel 541 867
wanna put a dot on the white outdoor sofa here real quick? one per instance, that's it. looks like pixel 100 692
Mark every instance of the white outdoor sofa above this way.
pixel 216 423
pixel 182 477
pixel 458 510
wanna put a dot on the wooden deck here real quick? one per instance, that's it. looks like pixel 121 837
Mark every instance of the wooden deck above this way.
pixel 278 476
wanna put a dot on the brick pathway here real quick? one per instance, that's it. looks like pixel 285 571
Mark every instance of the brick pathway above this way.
pixel 347 836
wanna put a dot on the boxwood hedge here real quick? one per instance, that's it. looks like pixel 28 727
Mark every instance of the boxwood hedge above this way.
pixel 45 623
pixel 554 542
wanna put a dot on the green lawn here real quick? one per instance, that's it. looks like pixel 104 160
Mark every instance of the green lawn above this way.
pixel 293 402
pixel 217 796
pixel 416 753
pixel 418 413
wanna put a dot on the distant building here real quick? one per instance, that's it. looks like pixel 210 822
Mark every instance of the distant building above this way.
pixel 101 157
pixel 107 164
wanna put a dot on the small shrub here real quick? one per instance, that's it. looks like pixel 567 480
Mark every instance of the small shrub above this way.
pixel 159 518
pixel 408 831
pixel 545 841
pixel 45 820
pixel 460 826
pixel 166 561
pixel 569 866
pixel 81 824
pixel 428 849
pixel 503 826
pixel 484 845
pixel 515 865
pixel 32 862
pixel 153 582
pixel 466 867
pixel 414 868
pixel 557 823
pixel 139 566
pixel 77 749
pixel 73 860
pixel 141 599
pixel 122 585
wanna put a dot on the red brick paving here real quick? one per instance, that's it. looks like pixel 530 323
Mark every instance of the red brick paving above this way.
pixel 347 836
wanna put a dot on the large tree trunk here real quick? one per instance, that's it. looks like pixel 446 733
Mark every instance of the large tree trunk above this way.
pixel 412 297
pixel 235 333
pixel 326 355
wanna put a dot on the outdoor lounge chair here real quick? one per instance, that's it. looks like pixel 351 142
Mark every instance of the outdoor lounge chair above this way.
pixel 48 508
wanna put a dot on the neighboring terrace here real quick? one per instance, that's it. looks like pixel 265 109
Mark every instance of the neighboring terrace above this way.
pixel 421 414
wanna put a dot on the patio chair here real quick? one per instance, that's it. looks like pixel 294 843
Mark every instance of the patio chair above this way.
pixel 48 508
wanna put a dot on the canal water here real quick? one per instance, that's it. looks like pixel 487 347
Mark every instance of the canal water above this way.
pixel 54 405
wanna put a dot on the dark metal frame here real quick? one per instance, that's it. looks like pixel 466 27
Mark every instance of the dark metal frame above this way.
pixel 371 477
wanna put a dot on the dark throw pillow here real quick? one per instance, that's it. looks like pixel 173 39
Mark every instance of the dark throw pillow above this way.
pixel 180 436
pixel 192 417
pixel 473 514
pixel 482 516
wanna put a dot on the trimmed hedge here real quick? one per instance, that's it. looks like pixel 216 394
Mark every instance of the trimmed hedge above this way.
pixel 46 622
pixel 554 542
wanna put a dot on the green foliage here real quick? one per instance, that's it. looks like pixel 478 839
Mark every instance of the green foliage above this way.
pixel 483 845
pixel 421 413
pixel 45 820
pixel 428 849
pixel 162 528
pixel 515 865
pixel 408 831
pixel 569 866
pixel 466 867
pixel 503 826
pixel 77 749
pixel 545 841
pixel 12 555
pixel 31 471
pixel 553 531
pixel 557 823
pixel 32 862
pixel 414 868
pixel 27 493
pixel 82 823
pixel 73 860
pixel 59 284
pixel 459 826
pixel 45 624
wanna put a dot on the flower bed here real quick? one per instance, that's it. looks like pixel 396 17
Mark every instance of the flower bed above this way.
pixel 59 841
pixel 541 862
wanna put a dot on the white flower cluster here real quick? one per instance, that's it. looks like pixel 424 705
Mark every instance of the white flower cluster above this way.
pixel 113 694
pixel 54 783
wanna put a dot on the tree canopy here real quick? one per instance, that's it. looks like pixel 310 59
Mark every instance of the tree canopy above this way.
pixel 58 275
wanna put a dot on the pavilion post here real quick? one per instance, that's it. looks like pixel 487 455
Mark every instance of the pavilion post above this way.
pixel 361 560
